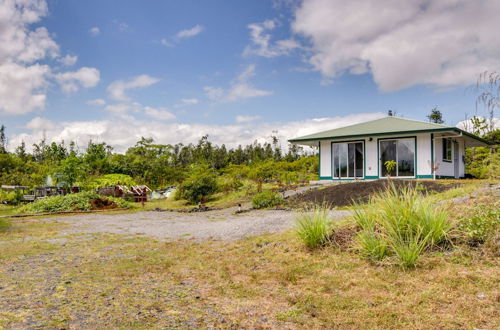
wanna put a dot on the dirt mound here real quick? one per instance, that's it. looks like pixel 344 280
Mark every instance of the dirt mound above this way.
pixel 102 204
pixel 345 193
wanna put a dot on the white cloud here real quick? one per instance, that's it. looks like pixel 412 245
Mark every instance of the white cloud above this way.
pixel 94 31
pixel 190 101
pixel 68 60
pixel 159 114
pixel 22 88
pixel 96 102
pixel 188 33
pixel 124 133
pixel 40 124
pixel 71 81
pixel 246 119
pixel 240 89
pixel 117 89
pixel 468 126
pixel 23 79
pixel 183 34
pixel 119 108
pixel 402 43
pixel 261 41
pixel 187 102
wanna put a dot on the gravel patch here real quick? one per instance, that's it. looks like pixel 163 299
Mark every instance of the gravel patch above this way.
pixel 217 224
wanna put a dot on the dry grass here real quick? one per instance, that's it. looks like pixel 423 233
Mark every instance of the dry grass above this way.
pixel 48 279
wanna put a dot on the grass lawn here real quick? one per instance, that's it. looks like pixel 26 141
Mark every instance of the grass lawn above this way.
pixel 49 279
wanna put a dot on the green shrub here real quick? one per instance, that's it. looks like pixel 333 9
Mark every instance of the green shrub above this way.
pixel 314 226
pixel 198 187
pixel 482 224
pixel 229 183
pixel 266 199
pixel 109 180
pixel 70 202
pixel 405 220
pixel 11 197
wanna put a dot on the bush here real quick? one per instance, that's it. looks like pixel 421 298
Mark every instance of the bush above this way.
pixel 401 222
pixel 11 197
pixel 229 183
pixel 71 202
pixel 266 199
pixel 109 180
pixel 314 227
pixel 482 224
pixel 198 187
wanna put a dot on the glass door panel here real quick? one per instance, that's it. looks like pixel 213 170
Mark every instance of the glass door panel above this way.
pixel 406 157
pixel 401 151
pixel 347 160
pixel 359 160
pixel 387 153
pixel 343 160
pixel 351 157
pixel 335 151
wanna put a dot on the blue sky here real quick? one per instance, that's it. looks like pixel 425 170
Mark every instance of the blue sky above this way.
pixel 237 70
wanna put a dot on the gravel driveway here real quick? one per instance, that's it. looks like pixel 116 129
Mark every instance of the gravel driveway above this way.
pixel 218 224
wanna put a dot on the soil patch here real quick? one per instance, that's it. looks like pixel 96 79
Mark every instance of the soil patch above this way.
pixel 345 194
pixel 102 204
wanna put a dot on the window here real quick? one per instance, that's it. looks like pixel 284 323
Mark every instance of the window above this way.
pixel 447 150
pixel 347 160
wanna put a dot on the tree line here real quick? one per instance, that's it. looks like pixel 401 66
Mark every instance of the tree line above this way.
pixel 147 161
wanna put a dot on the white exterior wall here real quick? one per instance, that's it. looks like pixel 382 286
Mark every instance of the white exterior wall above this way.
pixel 445 168
pixel 423 154
pixel 325 166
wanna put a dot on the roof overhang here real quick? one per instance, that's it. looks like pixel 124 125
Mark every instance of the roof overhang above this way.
pixel 471 139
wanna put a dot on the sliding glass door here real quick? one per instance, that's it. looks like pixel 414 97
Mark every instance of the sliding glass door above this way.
pixel 347 160
pixel 402 152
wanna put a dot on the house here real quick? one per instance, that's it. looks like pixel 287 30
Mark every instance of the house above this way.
pixel 420 149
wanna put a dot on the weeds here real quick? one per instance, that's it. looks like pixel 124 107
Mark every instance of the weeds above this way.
pixel 481 224
pixel 266 199
pixel 314 226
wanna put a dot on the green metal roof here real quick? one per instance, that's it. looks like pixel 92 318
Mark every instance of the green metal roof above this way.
pixel 382 126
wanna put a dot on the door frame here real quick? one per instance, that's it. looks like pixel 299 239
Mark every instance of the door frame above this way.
pixel 414 137
pixel 364 161
pixel 456 165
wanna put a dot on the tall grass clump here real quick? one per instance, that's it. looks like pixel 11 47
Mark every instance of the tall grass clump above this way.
pixel 314 226
pixel 400 222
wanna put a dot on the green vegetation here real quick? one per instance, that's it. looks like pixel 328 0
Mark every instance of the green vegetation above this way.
pixel 481 224
pixel 401 222
pixel 203 172
pixel 314 226
pixel 4 224
pixel 52 279
pixel 483 162
pixel 72 202
pixel 199 186
pixel 266 199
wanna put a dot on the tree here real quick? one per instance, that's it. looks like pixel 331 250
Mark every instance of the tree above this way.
pixel 3 140
pixel 435 116
pixel 70 170
pixel 488 88
pixel 199 186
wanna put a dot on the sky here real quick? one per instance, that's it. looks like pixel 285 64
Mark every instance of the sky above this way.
pixel 239 71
